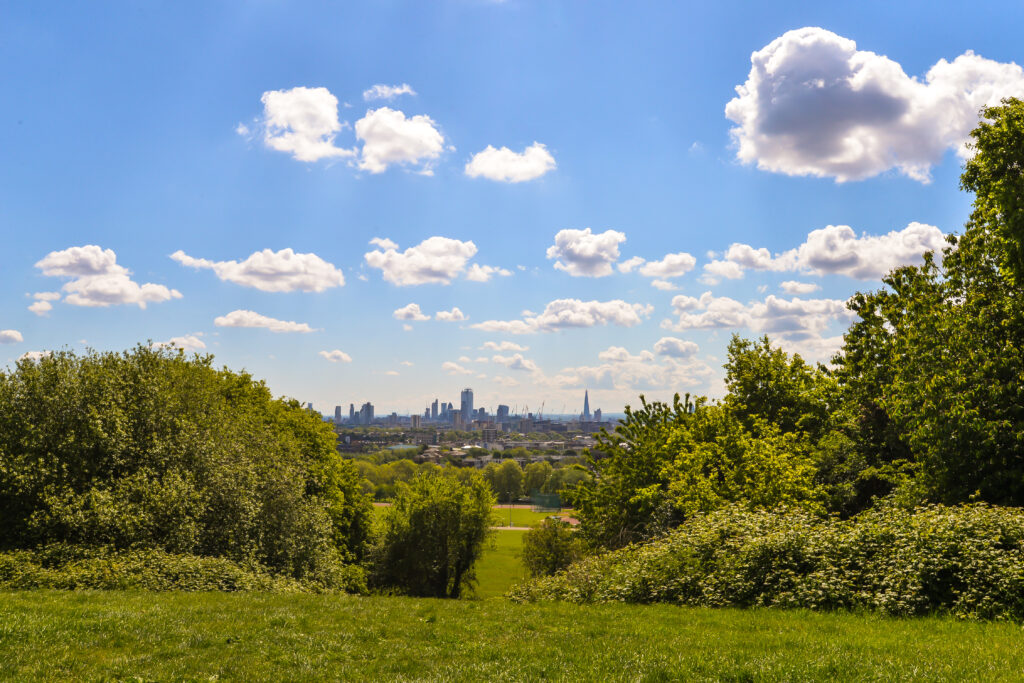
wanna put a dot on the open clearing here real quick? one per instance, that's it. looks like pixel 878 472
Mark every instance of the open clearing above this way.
pixel 48 635
pixel 501 565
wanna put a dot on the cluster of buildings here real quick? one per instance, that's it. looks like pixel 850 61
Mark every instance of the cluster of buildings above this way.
pixel 467 417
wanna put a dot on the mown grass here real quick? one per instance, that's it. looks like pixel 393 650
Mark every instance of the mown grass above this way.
pixel 501 564
pixel 519 516
pixel 46 635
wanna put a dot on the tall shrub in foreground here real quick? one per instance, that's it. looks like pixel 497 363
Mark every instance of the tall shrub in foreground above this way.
pixel 432 535
pixel 151 449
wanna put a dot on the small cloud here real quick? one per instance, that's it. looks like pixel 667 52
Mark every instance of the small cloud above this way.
pixel 10 337
pixel 244 318
pixel 663 285
pixel 336 356
pixel 387 92
pixel 410 312
pixel 454 315
pixel 392 373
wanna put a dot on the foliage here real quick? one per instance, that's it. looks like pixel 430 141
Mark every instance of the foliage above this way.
pixel 506 480
pixel 995 174
pixel 765 384
pixel 550 547
pixel 667 462
pixel 536 475
pixel 432 535
pixel 967 561
pixel 154 570
pixel 153 450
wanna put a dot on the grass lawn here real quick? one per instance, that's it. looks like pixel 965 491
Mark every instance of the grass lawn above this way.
pixel 48 635
pixel 500 566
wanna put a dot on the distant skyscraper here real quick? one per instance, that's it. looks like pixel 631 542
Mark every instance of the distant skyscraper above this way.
pixel 586 406
pixel 467 404
pixel 415 421
pixel 597 415
pixel 337 414
pixel 502 413
pixel 366 414
pixel 433 410
pixel 351 412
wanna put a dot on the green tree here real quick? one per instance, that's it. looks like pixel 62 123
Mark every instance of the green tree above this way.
pixel 995 174
pixel 536 475
pixel 432 535
pixel 550 547
pixel 506 480
pixel 152 449
pixel 667 462
pixel 765 383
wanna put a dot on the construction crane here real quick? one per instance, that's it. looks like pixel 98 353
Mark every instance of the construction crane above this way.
pixel 540 414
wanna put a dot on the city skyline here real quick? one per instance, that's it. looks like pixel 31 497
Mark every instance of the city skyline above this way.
pixel 505 195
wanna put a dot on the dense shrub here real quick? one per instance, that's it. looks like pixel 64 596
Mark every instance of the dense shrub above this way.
pixel 550 547
pixel 152 450
pixel 965 560
pixel 68 568
pixel 433 534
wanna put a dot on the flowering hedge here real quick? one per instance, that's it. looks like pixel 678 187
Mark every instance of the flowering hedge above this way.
pixel 965 560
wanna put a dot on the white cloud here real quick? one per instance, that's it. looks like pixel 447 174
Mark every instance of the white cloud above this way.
pixel 628 265
pixel 336 356
pixel 584 254
pixel 516 362
pixel 188 342
pixel 434 260
pixel 454 315
pixel 568 313
pixel 837 249
pixel 302 122
pixel 716 270
pixel 794 287
pixel 410 312
pixel 390 138
pixel 453 368
pixel 387 92
pixel 478 273
pixel 675 348
pixel 41 306
pixel 663 285
pixel 35 356
pixel 269 271
pixel 504 165
pixel 504 346
pixel 813 104
pixel 98 280
pixel 673 265
pixel 243 318
pixel 623 371
pixel 793 320
pixel 406 363
pixel 392 373
pixel 384 243
pixel 10 337
pixel 619 354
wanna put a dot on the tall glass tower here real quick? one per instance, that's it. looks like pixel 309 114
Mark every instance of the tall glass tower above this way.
pixel 467 405
pixel 586 406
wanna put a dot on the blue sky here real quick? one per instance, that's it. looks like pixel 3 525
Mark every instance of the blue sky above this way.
pixel 241 138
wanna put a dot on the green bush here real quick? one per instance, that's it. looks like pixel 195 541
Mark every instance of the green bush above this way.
pixel 433 534
pixel 965 560
pixel 67 568
pixel 152 450
pixel 550 547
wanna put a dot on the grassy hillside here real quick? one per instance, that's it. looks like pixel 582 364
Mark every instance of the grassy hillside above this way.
pixel 501 566
pixel 56 636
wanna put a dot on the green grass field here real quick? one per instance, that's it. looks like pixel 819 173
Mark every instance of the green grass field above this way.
pixel 47 635
pixel 520 516
pixel 500 566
